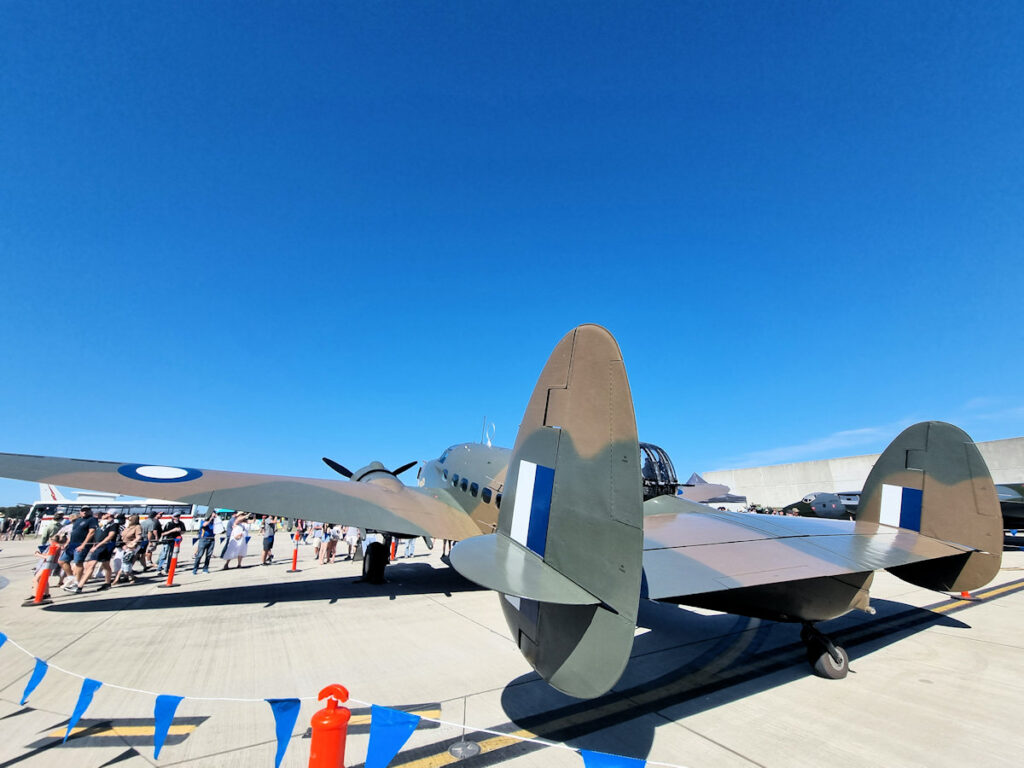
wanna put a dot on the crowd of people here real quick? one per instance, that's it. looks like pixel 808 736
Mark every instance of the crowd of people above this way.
pixel 120 549
pixel 13 528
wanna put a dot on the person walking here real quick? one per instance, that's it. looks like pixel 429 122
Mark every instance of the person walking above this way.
pixel 150 535
pixel 83 533
pixel 237 546
pixel 100 553
pixel 351 534
pixel 269 527
pixel 171 531
pixel 207 539
pixel 131 543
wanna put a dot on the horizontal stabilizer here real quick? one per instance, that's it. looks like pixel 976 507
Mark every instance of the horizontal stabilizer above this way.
pixel 496 562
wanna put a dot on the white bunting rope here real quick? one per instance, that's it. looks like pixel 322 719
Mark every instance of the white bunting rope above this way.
pixel 351 700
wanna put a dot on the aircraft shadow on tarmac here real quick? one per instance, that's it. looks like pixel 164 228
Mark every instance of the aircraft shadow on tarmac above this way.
pixel 403 579
pixel 689 663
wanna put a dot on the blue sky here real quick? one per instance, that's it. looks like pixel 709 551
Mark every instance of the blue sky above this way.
pixel 243 236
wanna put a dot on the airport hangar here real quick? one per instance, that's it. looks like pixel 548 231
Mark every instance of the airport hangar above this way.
pixel 780 484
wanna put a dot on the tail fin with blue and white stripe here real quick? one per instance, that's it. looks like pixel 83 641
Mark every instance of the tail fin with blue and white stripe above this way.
pixel 567 555
pixel 932 479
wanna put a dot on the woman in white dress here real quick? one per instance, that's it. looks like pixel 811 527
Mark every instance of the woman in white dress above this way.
pixel 237 545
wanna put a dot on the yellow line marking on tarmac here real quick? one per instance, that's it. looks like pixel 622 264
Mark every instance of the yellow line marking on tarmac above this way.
pixel 487 745
pixel 984 594
pixel 125 730
pixel 742 640
pixel 727 656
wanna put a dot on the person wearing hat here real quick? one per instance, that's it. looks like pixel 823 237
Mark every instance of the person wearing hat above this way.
pixel 171 531
pixel 83 534
pixel 100 553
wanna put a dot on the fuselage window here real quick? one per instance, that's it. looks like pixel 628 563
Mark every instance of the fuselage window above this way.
pixel 464 483
pixel 455 480
pixel 486 495
pixel 473 489
pixel 497 500
pixel 445 474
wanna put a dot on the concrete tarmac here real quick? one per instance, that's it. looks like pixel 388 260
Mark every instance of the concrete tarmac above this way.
pixel 934 681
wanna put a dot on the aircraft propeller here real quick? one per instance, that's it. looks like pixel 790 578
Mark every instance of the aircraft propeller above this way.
pixel 344 471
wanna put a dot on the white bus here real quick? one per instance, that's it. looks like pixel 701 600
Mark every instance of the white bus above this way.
pixel 53 503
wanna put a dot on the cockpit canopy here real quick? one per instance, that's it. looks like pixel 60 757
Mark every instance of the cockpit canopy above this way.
pixel 659 476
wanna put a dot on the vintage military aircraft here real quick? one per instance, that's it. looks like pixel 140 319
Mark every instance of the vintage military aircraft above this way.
pixel 1011 500
pixel 832 506
pixel 572 546
pixel 576 548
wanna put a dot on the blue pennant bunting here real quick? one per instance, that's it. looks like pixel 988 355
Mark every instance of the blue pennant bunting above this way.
pixel 389 730
pixel 286 712
pixel 163 713
pixel 37 677
pixel 604 760
pixel 89 687
pixel 3 639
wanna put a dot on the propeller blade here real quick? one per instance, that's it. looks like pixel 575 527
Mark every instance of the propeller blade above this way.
pixel 404 467
pixel 341 469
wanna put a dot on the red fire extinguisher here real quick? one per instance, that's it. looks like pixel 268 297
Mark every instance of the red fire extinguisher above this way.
pixel 330 724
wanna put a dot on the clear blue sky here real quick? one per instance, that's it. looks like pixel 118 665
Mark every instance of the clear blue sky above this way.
pixel 246 235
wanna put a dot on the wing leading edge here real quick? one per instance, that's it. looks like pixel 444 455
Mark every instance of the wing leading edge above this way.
pixel 403 510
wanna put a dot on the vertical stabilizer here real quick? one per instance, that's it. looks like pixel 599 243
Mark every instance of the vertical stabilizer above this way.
pixel 567 556
pixel 932 479
pixel 50 493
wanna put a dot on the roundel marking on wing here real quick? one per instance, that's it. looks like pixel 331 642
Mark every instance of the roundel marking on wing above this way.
pixel 151 473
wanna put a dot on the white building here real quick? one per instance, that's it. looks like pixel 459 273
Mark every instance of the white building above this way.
pixel 781 484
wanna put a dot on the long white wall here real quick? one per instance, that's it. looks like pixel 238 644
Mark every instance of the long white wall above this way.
pixel 781 484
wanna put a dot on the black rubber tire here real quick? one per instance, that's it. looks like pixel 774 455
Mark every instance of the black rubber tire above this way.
pixel 374 562
pixel 825 666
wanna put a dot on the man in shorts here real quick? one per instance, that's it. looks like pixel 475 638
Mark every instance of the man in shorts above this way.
pixel 101 552
pixel 150 534
pixel 83 534
pixel 269 527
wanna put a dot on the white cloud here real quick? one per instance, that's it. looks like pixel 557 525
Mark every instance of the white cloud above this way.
pixel 843 443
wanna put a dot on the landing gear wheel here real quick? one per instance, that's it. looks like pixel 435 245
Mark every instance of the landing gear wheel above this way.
pixel 826 658
pixel 374 562
pixel 827 667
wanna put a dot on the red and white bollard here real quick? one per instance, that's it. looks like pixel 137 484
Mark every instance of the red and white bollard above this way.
pixel 43 580
pixel 295 554
pixel 174 564
pixel 330 727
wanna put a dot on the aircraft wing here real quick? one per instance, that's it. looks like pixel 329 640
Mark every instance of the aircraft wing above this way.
pixel 687 552
pixel 403 510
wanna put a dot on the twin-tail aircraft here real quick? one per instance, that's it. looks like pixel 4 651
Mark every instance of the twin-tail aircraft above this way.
pixel 558 526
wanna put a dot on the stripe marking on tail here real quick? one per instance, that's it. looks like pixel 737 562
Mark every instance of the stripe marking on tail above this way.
pixel 901 507
pixel 532 508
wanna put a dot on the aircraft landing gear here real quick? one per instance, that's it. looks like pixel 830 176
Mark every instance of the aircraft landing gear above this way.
pixel 374 562
pixel 826 658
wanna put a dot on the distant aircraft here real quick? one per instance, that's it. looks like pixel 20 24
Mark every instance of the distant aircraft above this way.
pixel 843 506
pixel 832 506
pixel 575 547
pixel 1011 501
